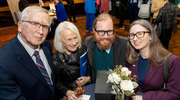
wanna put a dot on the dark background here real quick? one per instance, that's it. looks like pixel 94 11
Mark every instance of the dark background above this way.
pixel 4 3
pixel 7 20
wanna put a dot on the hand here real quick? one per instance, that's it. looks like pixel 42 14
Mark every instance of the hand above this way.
pixel 71 95
pixel 82 80
pixel 137 97
pixel 178 5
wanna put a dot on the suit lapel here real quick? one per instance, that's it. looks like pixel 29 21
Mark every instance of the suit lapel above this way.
pixel 24 58
pixel 115 54
pixel 91 52
pixel 27 61
pixel 149 75
pixel 134 69
pixel 91 46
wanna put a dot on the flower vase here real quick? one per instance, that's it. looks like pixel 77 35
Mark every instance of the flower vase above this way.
pixel 119 96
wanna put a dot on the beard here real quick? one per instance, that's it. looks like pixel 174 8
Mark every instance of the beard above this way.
pixel 104 46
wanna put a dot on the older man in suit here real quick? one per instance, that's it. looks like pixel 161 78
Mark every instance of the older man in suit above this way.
pixel 105 49
pixel 25 75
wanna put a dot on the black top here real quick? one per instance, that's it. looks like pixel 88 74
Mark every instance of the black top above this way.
pixel 143 67
pixel 67 70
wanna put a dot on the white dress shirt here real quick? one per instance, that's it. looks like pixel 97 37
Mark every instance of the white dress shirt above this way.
pixel 41 53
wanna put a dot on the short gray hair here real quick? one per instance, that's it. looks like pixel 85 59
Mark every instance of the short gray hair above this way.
pixel 26 12
pixel 61 29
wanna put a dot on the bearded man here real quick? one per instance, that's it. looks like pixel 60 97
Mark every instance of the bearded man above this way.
pixel 105 49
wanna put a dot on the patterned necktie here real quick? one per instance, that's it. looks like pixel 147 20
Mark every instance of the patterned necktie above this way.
pixel 41 67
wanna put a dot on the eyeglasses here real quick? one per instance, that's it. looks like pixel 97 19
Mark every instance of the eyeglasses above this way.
pixel 138 34
pixel 101 32
pixel 36 25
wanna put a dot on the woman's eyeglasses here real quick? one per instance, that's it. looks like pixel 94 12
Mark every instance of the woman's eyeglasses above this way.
pixel 139 34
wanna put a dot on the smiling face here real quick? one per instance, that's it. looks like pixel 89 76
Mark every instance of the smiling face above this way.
pixel 70 41
pixel 141 44
pixel 105 41
pixel 31 36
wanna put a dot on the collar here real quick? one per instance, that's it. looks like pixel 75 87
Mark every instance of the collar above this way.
pixel 28 48
pixel 107 50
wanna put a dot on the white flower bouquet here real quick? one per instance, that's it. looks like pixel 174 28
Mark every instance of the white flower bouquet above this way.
pixel 122 81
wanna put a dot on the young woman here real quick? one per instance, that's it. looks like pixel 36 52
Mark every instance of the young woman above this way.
pixel 145 58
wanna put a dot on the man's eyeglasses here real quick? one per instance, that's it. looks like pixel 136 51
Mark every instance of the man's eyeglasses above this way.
pixel 138 35
pixel 36 25
pixel 101 32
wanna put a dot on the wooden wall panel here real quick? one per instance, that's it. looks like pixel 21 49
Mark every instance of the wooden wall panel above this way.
pixel 13 6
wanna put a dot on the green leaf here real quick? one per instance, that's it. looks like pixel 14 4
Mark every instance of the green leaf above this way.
pixel 128 93
pixel 135 85
pixel 110 71
pixel 124 77
pixel 133 94
pixel 113 92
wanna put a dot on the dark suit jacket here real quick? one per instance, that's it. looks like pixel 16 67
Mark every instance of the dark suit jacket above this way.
pixel 20 79
pixel 119 51
pixel 154 81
